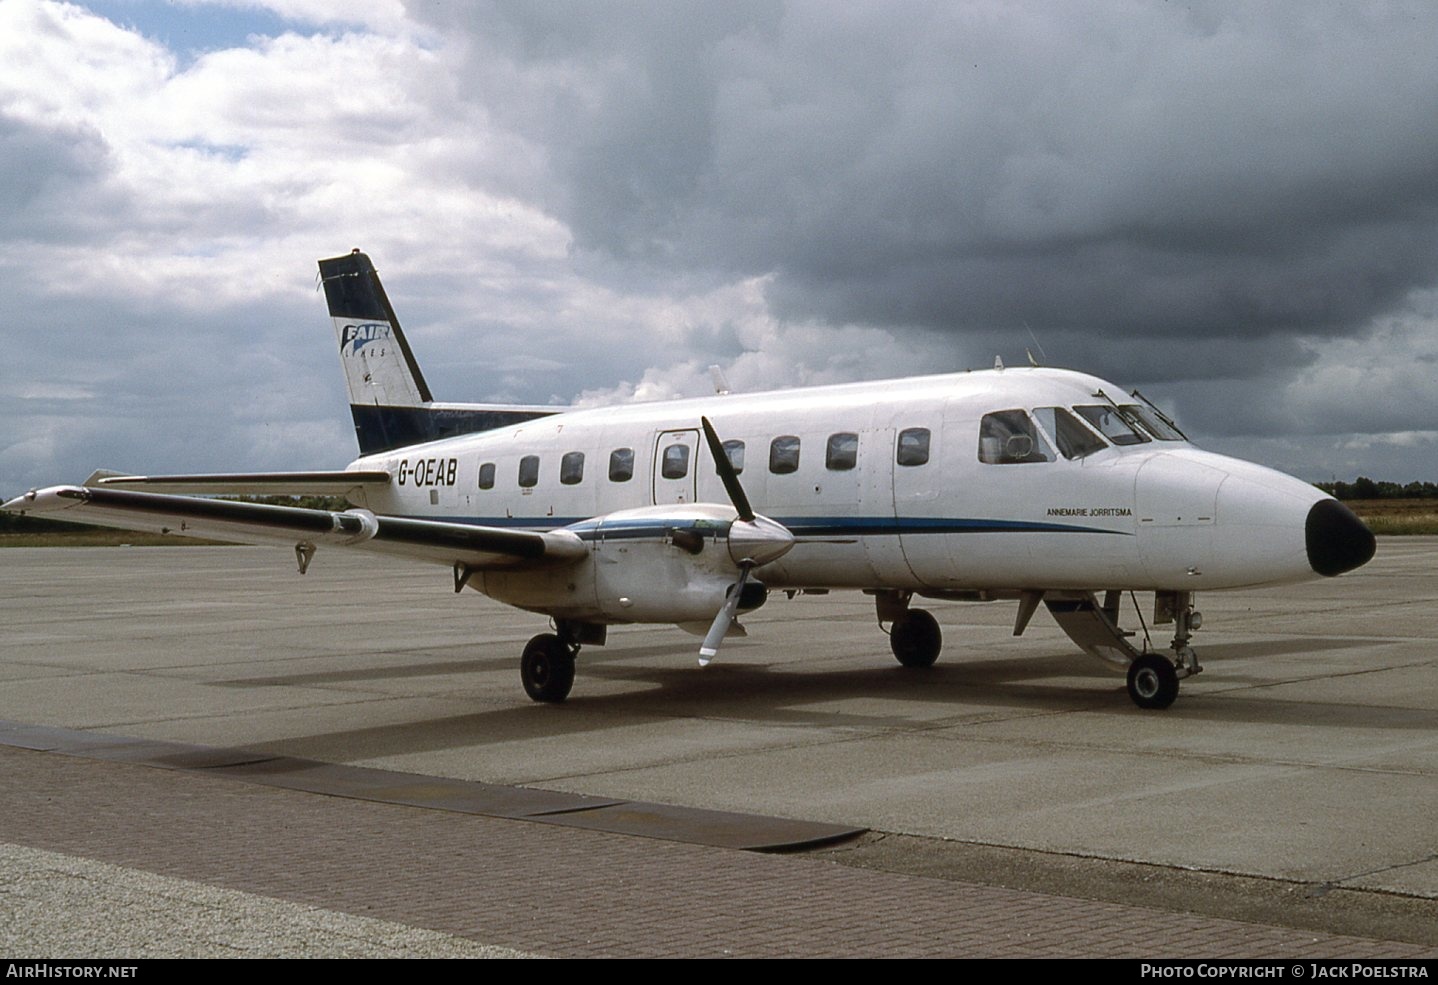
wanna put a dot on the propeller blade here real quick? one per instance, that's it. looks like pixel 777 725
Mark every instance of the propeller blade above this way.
pixel 709 649
pixel 726 473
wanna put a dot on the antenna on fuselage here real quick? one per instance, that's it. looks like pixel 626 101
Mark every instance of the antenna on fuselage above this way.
pixel 1037 345
pixel 721 385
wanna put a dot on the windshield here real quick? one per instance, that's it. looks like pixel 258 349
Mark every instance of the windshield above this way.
pixel 1147 419
pixel 1110 423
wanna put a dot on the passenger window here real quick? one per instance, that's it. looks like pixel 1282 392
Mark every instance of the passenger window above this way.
pixel 529 471
pixel 676 462
pixel 571 468
pixel 486 475
pixel 735 451
pixel 784 454
pixel 842 452
pixel 1109 422
pixel 621 465
pixel 913 447
pixel 1074 440
pixel 1008 437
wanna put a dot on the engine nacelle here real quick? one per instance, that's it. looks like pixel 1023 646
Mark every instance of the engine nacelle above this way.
pixel 654 564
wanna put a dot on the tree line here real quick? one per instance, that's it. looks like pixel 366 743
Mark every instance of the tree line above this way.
pixel 1366 488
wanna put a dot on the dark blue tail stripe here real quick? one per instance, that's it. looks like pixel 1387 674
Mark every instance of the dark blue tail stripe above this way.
pixel 383 428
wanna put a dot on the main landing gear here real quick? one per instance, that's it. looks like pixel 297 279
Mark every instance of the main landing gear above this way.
pixel 914 634
pixel 547 668
pixel 916 639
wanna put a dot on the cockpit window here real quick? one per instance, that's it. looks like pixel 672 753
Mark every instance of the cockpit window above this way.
pixel 1145 419
pixel 1109 422
pixel 1073 439
pixel 1008 437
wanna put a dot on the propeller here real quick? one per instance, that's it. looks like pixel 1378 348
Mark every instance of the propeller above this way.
pixel 720 626
pixel 727 475
pixel 753 540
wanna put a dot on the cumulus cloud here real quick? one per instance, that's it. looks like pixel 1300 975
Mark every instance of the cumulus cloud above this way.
pixel 1133 174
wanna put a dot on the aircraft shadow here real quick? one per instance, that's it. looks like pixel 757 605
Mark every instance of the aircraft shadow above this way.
pixel 777 695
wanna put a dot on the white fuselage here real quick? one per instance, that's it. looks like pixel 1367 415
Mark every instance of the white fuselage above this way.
pixel 1157 515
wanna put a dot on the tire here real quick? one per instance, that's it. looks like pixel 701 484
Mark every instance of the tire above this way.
pixel 916 639
pixel 1152 681
pixel 547 668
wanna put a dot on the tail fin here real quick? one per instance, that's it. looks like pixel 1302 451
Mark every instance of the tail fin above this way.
pixel 379 367
pixel 389 399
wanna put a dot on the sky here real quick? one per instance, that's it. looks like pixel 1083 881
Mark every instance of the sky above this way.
pixel 1232 206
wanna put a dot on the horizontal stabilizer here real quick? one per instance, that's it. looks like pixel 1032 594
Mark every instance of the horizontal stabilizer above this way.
pixel 379 428
pixel 245 483
pixel 440 542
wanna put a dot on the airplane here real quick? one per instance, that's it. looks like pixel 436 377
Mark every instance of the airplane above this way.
pixel 1029 484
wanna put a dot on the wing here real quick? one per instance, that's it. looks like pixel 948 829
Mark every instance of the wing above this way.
pixel 477 547
pixel 246 483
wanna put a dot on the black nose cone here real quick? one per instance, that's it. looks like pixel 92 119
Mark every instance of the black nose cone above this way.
pixel 1337 540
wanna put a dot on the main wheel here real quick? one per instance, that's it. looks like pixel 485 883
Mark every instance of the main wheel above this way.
pixel 916 639
pixel 547 668
pixel 1152 681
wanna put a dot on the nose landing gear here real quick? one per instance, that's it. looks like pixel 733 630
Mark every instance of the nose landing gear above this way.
pixel 1152 681
pixel 1153 677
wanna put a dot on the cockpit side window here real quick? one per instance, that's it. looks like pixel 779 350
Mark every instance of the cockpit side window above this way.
pixel 1073 439
pixel 1109 422
pixel 1008 437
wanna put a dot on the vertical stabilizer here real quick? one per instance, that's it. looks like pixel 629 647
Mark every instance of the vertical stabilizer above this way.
pixel 389 398
pixel 379 367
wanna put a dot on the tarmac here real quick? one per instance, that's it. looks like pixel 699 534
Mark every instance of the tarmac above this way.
pixel 169 710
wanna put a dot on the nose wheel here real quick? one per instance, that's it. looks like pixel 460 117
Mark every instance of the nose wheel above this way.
pixel 1152 681
pixel 547 668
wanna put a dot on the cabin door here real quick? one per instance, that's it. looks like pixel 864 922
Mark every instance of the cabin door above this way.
pixel 676 463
